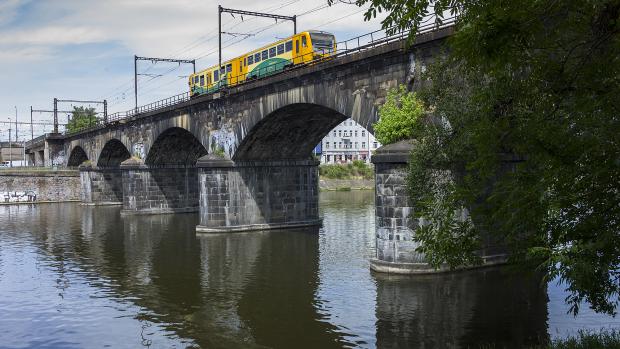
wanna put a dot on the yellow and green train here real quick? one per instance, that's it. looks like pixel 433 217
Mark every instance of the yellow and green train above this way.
pixel 300 48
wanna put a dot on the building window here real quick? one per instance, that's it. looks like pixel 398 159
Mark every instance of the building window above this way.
pixel 334 145
pixel 334 133
pixel 363 145
pixel 339 133
pixel 329 157
pixel 374 144
pixel 355 133
pixel 363 133
pixel 326 145
pixel 339 145
pixel 355 145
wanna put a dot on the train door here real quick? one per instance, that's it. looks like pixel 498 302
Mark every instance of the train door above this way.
pixel 242 69
pixel 296 51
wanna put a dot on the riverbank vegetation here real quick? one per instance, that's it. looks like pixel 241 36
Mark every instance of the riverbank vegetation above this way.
pixel 521 129
pixel 588 340
pixel 354 170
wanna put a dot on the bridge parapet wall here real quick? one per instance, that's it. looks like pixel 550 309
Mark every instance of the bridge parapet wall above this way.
pixel 257 195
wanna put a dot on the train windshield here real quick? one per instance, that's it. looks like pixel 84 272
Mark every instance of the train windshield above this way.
pixel 322 42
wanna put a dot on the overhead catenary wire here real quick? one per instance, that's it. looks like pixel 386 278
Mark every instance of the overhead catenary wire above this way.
pixel 121 97
pixel 126 87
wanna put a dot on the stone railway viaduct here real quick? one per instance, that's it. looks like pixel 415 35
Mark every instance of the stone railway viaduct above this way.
pixel 243 159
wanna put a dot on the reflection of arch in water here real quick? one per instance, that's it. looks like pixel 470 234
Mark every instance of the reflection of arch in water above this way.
pixel 464 309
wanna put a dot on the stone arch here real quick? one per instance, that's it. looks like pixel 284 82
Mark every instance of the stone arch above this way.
pixel 175 146
pixel 290 132
pixel 113 153
pixel 77 156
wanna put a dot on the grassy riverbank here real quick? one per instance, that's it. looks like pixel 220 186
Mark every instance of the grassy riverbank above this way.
pixel 345 177
pixel 355 170
pixel 588 340
pixel 604 339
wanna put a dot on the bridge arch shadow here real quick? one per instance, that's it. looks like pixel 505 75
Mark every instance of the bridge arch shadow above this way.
pixel 175 146
pixel 77 157
pixel 167 182
pixel 290 132
pixel 113 154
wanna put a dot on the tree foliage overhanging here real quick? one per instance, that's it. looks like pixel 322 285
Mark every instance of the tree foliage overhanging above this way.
pixel 81 118
pixel 526 122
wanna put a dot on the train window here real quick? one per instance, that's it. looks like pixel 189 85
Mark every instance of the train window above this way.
pixel 216 75
pixel 304 42
pixel 208 78
pixel 250 59
pixel 280 49
pixel 229 68
pixel 245 61
pixel 196 79
pixel 272 52
pixel 222 70
pixel 297 46
pixel 288 46
pixel 202 80
pixel 265 55
pixel 257 58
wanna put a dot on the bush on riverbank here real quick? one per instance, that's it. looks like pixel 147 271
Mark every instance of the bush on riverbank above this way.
pixel 355 170
pixel 605 339
pixel 589 340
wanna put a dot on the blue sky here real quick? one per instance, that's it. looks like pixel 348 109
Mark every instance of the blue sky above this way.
pixel 83 49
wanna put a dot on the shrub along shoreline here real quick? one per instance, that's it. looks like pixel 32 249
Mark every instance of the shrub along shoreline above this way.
pixel 355 170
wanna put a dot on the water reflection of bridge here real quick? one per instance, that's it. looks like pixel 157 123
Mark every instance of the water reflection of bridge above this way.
pixel 260 290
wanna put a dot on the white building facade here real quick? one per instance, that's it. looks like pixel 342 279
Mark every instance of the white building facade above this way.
pixel 347 142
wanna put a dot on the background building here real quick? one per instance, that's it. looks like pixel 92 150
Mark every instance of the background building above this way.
pixel 347 142
pixel 11 154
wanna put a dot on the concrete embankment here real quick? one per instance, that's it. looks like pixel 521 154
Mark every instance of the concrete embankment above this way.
pixel 346 184
pixel 38 186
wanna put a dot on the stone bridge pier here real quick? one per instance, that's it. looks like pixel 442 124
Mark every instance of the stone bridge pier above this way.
pixel 101 182
pixel 167 180
pixel 257 195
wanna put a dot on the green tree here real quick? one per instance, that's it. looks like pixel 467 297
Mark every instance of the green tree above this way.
pixel 398 116
pixel 82 118
pixel 525 135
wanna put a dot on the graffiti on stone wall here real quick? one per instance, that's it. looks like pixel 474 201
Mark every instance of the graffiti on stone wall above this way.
pixel 137 150
pixel 60 158
pixel 18 196
pixel 223 139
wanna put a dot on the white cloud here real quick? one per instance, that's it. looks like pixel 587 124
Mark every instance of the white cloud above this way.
pixel 8 10
pixel 26 54
pixel 54 35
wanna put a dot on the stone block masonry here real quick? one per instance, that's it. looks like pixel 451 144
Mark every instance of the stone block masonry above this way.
pixel 156 190
pixel 257 195
pixel 395 223
pixel 101 186
pixel 46 185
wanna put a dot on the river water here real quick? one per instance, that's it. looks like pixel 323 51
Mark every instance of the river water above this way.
pixel 74 276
